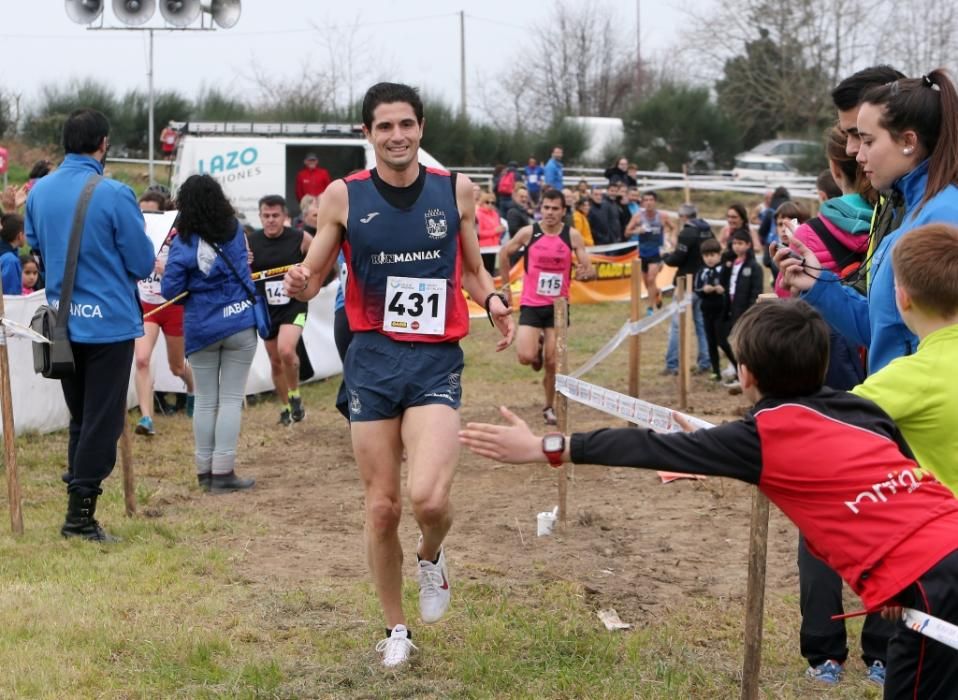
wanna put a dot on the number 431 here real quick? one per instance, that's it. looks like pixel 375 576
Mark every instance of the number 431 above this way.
pixel 417 301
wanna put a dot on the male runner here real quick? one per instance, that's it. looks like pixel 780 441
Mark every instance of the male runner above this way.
pixel 647 229
pixel 409 239
pixel 548 266
pixel 277 245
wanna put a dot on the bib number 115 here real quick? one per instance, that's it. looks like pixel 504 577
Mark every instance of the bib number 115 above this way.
pixel 415 305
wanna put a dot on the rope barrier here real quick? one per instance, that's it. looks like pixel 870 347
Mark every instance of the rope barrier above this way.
pixel 658 418
pixel 630 328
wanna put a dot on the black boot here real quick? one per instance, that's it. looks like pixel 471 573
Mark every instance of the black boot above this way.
pixel 227 483
pixel 205 481
pixel 80 521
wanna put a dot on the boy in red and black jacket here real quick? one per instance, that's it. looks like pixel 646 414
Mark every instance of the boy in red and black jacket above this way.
pixel 834 463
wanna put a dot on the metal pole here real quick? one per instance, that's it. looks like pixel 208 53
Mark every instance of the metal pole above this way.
pixel 462 62
pixel 149 135
pixel 638 48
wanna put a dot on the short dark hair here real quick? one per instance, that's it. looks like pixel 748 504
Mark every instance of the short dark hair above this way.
pixel 554 194
pixel 161 202
pixel 272 200
pixel 781 192
pixel 11 225
pixel 40 169
pixel 784 344
pixel 651 193
pixel 848 93
pixel 792 210
pixel 710 245
pixel 925 261
pixel 84 131
pixel 836 142
pixel 386 93
pixel 204 211
pixel 825 182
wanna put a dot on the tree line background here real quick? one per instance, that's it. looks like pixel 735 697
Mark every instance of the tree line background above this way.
pixel 740 72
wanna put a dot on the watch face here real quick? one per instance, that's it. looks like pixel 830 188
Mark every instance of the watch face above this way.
pixel 553 443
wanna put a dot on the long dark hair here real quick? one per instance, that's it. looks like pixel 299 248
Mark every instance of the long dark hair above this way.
pixel 204 211
pixel 835 142
pixel 928 106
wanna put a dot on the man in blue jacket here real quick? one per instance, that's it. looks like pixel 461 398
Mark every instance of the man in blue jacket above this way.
pixel 105 314
pixel 553 174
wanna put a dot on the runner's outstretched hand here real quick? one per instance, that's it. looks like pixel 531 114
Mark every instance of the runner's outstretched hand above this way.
pixel 502 319
pixel 513 443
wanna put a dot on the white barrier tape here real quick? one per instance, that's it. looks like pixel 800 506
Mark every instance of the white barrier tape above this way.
pixel 658 418
pixel 931 626
pixel 12 329
pixel 630 328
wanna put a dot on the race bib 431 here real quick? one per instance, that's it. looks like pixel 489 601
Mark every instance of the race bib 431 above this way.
pixel 415 305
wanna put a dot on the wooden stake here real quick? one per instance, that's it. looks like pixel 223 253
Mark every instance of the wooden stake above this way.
pixel 755 594
pixel 685 177
pixel 635 343
pixel 9 433
pixel 126 460
pixel 561 308
pixel 681 290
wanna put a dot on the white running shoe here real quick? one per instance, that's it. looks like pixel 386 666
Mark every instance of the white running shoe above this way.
pixel 433 588
pixel 729 373
pixel 397 648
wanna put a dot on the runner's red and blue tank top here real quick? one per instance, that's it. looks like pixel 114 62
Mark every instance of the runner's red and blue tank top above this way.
pixel 405 265
pixel 548 262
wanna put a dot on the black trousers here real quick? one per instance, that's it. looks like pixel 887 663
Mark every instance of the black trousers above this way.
pixel 820 597
pixel 920 667
pixel 96 398
pixel 716 336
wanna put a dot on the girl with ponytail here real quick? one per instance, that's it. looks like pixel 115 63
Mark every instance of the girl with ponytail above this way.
pixel 909 150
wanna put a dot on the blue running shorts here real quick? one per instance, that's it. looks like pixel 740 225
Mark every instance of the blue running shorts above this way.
pixel 384 377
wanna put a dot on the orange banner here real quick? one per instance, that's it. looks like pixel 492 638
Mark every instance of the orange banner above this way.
pixel 612 283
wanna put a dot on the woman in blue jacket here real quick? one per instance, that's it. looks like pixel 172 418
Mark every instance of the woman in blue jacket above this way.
pixel 909 132
pixel 219 324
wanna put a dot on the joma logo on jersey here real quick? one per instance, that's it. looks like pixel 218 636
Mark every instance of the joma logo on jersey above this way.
pixel 391 258
pixel 436 226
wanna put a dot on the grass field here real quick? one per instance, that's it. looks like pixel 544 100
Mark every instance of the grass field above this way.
pixel 264 594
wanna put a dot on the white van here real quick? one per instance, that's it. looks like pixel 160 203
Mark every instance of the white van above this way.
pixel 253 159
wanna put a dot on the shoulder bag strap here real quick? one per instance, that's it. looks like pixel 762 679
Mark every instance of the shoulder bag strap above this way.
pixel 73 251
pixel 219 251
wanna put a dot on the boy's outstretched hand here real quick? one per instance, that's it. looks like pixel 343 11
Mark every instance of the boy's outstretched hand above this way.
pixel 512 443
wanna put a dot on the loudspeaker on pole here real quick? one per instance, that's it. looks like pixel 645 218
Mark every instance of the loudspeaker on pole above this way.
pixel 134 12
pixel 84 11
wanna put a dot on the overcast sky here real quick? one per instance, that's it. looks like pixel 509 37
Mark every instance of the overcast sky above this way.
pixel 41 45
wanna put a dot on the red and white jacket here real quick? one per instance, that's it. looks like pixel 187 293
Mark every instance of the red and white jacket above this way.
pixel 834 463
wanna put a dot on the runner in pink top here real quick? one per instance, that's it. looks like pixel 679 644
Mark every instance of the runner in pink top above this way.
pixel 549 247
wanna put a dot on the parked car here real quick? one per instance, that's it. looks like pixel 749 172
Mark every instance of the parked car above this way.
pixel 767 169
pixel 792 151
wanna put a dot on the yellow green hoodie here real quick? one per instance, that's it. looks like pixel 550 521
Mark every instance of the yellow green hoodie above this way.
pixel 920 393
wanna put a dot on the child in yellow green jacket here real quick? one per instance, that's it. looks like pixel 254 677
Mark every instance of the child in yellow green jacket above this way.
pixel 920 391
